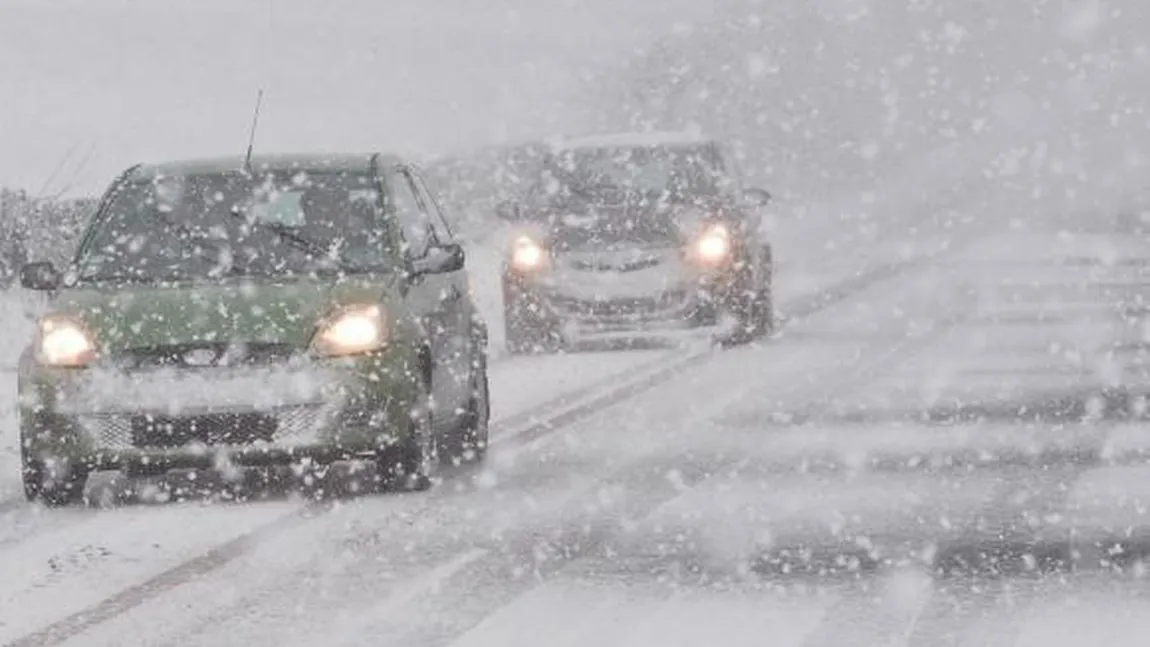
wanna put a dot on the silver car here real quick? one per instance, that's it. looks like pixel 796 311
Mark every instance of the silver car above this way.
pixel 634 233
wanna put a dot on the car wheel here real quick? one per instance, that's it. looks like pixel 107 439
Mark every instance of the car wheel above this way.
pixel 525 336
pixel 470 441
pixel 765 306
pixel 42 484
pixel 764 313
pixel 316 481
pixel 749 309
pixel 419 450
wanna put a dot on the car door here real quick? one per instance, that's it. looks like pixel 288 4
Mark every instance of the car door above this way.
pixel 454 297
pixel 433 298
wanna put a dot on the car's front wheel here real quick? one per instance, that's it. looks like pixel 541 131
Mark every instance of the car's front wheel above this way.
pixel 752 307
pixel 51 485
pixel 526 329
pixel 762 313
pixel 470 442
pixel 418 457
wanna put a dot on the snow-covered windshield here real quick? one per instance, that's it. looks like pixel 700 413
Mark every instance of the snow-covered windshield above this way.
pixel 611 174
pixel 624 194
pixel 609 226
pixel 206 225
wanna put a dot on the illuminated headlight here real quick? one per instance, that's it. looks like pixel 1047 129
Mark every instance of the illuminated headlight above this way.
pixel 352 331
pixel 528 254
pixel 64 343
pixel 714 245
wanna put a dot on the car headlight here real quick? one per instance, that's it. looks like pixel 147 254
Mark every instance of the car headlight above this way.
pixel 528 255
pixel 352 331
pixel 64 343
pixel 714 245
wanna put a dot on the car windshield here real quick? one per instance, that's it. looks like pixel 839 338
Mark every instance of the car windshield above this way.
pixel 614 174
pixel 200 226
pixel 595 230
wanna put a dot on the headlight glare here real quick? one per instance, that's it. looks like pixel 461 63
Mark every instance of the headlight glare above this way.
pixel 352 331
pixel 528 254
pixel 714 245
pixel 65 343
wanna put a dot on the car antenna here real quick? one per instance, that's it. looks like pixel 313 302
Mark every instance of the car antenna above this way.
pixel 252 133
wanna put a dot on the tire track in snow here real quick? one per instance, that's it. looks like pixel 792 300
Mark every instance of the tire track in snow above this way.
pixel 1024 528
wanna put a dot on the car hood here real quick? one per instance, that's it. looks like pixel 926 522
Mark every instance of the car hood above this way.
pixel 240 311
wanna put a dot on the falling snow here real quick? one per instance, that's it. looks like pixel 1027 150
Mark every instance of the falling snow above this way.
pixel 652 323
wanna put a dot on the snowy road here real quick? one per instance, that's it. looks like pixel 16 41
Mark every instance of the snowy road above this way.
pixel 790 490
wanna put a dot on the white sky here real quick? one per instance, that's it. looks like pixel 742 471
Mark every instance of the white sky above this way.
pixel 135 80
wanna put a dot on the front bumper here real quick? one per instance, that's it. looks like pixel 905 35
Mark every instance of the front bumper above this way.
pixel 159 420
pixel 683 304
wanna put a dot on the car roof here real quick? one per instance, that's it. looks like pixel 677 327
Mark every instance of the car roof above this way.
pixel 284 162
pixel 633 140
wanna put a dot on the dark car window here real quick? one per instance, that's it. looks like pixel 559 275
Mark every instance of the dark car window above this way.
pixel 204 225
pixel 661 172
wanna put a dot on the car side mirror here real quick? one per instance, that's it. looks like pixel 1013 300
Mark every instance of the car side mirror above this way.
pixel 440 259
pixel 507 210
pixel 757 197
pixel 39 276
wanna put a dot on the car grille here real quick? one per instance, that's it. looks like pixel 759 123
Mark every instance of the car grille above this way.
pixel 134 431
pixel 615 265
pixel 211 429
pixel 629 307
pixel 195 355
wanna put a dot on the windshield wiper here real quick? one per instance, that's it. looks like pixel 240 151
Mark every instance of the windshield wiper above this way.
pixel 188 238
pixel 301 243
pixel 579 186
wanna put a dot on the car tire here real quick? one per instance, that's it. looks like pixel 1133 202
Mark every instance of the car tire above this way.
pixel 53 491
pixel 418 458
pixel 529 337
pixel 316 481
pixel 762 308
pixel 529 342
pixel 765 306
pixel 752 308
pixel 525 333
pixel 469 444
pixel 764 314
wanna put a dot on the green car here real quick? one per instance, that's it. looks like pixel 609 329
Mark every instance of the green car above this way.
pixel 231 313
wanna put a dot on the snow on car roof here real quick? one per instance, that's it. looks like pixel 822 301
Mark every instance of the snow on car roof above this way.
pixel 633 140
pixel 311 161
